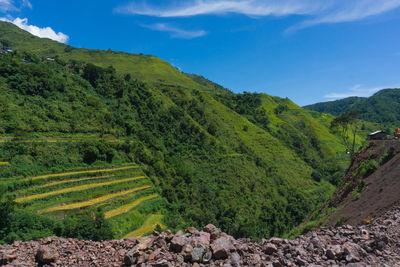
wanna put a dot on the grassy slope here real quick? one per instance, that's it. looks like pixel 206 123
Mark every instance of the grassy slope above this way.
pixel 146 68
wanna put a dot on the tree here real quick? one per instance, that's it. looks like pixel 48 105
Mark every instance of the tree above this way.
pixel 347 126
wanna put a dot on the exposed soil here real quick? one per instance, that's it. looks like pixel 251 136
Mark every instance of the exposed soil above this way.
pixel 382 187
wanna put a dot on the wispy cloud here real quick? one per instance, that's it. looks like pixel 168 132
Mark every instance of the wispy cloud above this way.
pixel 14 5
pixel 358 90
pixel 350 10
pixel 175 31
pixel 45 32
pixel 321 11
pixel 5 5
pixel 190 8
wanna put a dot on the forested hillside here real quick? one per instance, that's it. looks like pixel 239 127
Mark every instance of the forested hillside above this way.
pixel 383 107
pixel 252 164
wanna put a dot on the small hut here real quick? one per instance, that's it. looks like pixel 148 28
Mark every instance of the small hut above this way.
pixel 378 135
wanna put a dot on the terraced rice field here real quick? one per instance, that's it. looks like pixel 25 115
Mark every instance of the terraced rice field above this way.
pixel 125 194
pixel 149 225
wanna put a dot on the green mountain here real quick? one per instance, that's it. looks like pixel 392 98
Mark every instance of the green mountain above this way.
pixel 253 164
pixel 382 107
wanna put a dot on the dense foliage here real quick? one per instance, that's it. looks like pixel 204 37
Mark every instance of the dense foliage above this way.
pixel 17 224
pixel 382 107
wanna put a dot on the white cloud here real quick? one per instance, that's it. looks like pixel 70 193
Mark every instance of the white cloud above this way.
pixel 175 31
pixel 358 90
pixel 13 5
pixel 46 32
pixel 205 7
pixel 321 11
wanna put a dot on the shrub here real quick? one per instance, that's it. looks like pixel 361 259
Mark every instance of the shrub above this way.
pixel 368 168
pixel 387 156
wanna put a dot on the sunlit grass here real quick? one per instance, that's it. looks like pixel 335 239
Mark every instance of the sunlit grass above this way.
pixel 93 201
pixel 127 207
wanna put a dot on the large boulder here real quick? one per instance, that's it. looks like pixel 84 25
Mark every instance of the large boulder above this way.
pixel 178 242
pixel 201 238
pixel 209 228
pixel 222 247
pixel 46 255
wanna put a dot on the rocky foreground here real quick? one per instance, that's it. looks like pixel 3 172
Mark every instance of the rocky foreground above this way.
pixel 375 244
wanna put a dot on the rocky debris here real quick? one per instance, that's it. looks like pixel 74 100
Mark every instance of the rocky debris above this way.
pixel 375 244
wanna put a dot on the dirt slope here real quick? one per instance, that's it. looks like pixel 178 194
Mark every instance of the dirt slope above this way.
pixel 382 187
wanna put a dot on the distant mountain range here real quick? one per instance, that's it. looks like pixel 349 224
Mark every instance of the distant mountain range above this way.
pixel 382 107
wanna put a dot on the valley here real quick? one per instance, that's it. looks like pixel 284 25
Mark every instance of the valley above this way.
pixel 128 143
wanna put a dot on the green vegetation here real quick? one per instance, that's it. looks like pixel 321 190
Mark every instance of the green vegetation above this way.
pixel 383 107
pixel 347 125
pixel 367 168
pixel 387 156
pixel 253 164
pixel 17 224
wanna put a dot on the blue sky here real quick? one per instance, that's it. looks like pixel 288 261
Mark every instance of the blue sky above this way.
pixel 306 50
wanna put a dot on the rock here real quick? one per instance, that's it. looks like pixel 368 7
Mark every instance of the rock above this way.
pixel 145 243
pixel 357 264
pixel 198 253
pixel 201 238
pixel 235 259
pixel 207 257
pixel 351 252
pixel 132 256
pixel 365 234
pixel 277 241
pixel 209 228
pixel 300 261
pixel 7 256
pixel 334 252
pixel 270 249
pixel 192 230
pixel 222 247
pixel 46 255
pixel 215 234
pixel 187 252
pixel 168 235
pixel 178 242
pixel 277 264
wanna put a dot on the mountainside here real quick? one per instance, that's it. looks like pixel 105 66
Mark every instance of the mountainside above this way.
pixel 253 164
pixel 382 107
pixel 371 185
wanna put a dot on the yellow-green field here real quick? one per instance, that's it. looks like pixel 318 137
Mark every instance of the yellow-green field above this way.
pixel 149 225
pixel 124 193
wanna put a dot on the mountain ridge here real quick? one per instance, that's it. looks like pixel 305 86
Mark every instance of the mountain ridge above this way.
pixel 382 107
